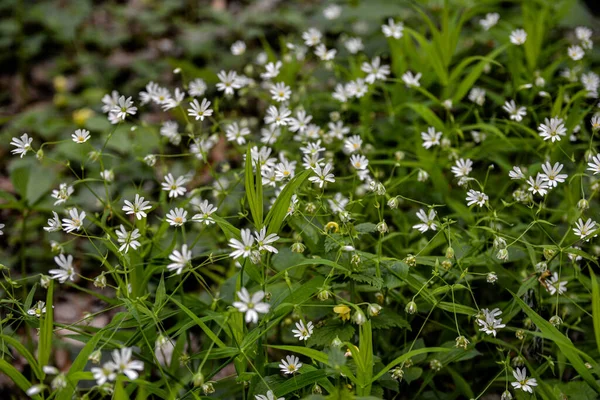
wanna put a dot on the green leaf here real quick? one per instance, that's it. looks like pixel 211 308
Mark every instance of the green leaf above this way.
pixel 201 324
pixel 595 306
pixel 408 355
pixel 298 382
pixel 316 355
pixel 253 190
pixel 277 213
pixel 22 350
pixel 46 328
pixel 16 376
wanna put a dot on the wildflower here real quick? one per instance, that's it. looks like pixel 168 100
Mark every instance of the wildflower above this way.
pixel 271 70
pixel 174 186
pixel 553 285
pixel 431 137
pixel 251 305
pixel 290 365
pixel 343 311
pixel 173 101
pixel 411 308
pixel 356 88
pixel 200 110
pixel 38 309
pixel 354 45
pixel 66 270
pixel 575 52
pixel 63 193
pixel 594 165
pixel 515 113
pixel 477 96
pixel 206 210
pixel 123 108
pixel 229 81
pixel 270 134
pixel 238 48
pixel 490 20
pixel 359 317
pixel 263 241
pixel 279 117
pixel 122 363
pixel 312 37
pixel 552 129
pixel 583 230
pixel 462 168
pixel 488 322
pixel 555 320
pixel 243 248
pixel 337 130
pixel 427 221
pixel 108 175
pixel 523 382
pixel 375 71
pixel 323 175
pixel 81 136
pixel 75 222
pixel 170 129
pixel 332 11
pixel 138 207
pixel 23 144
pixel 280 92
pixel 518 37
pixel 476 197
pixel 340 93
pixel 539 186
pixel 300 123
pixel 491 277
pixel 359 161
pixel 180 259
pixel 552 174
pixel 197 87
pixel 435 365
pixel 411 80
pixel 110 101
pixel 516 173
pixel 392 29
pixel 177 217
pixel 269 396
pixel 128 239
pixel 60 381
pixel 303 332
pixel 324 54
pixel 397 373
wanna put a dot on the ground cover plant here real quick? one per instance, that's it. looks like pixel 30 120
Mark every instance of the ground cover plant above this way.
pixel 372 200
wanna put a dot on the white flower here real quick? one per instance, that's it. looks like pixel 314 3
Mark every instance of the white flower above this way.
pixel 175 187
pixel 138 207
pixel 356 88
pixel 54 224
pixel 199 111
pixel 270 134
pixel 583 230
pixel 552 174
pixel 322 175
pixel 594 166
pixel 290 365
pixel 122 363
pixel 197 87
pixel 110 101
pixel 279 117
pixel 108 175
pixel 280 92
pixel 285 170
pixel 180 259
pixel 75 222
pixel 300 123
pixel 38 309
pixel 312 37
pixel 358 161
pixel 552 129
pixel 518 37
pixel 553 285
pixel 270 396
pixel 81 136
pixel 431 137
pixel 340 93
pixel 103 375
pixel 516 173
pixel 242 248
pixel 251 305
pixel 476 197
pixel 66 270
pixel 173 101
pixel 238 48
pixel 428 221
pixel 392 29
pixel 170 129
pixel 477 96
pixel 206 210
pixel 234 133
pixel 263 241
pixel 538 186
pixel 324 54
pixel 411 80
pixel 271 70
pixel 177 217
pixel 23 145
pixel 123 108
pixel 62 194
pixel 338 203
pixel 303 332
pixel 488 323
pixel 490 20
pixel 228 82
pixel 583 33
pixel 354 45
pixel 332 11
pixel 127 239
pixel 515 113
pixel 462 168
pixel 375 70
pixel 353 144
pixel 575 52
pixel 523 382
